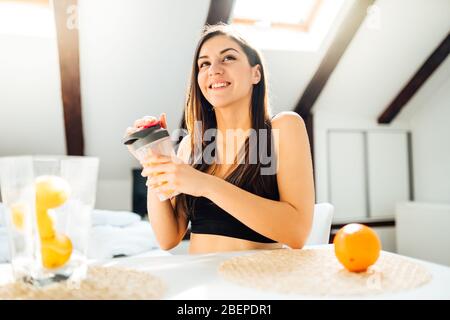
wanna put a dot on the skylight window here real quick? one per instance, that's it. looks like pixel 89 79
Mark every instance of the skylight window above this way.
pixel 297 14
pixel 299 25
pixel 27 18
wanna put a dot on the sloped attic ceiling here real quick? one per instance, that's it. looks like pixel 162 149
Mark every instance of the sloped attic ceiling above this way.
pixel 380 60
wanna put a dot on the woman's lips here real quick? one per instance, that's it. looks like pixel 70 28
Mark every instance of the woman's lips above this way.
pixel 219 85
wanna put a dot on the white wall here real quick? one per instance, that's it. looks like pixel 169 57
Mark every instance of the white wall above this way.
pixel 422 225
pixel 135 59
pixel 114 194
pixel 422 231
pixel 428 113
pixel 325 121
pixel 387 236
pixel 431 147
pixel 31 116
pixel 375 66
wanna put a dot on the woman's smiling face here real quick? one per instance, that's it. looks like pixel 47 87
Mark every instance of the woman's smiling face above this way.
pixel 225 75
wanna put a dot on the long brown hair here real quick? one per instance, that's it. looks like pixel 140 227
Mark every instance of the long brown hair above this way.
pixel 246 175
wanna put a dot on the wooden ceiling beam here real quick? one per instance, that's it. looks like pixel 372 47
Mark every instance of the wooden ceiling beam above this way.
pixel 416 82
pixel 219 11
pixel 69 63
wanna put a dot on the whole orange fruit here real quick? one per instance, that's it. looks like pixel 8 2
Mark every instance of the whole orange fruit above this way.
pixel 357 247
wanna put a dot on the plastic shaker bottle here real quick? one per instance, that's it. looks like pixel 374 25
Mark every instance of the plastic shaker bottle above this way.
pixel 153 139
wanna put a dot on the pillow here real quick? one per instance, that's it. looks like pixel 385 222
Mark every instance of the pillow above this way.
pixel 114 218
pixel 99 217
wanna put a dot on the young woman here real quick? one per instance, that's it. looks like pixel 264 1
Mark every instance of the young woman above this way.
pixel 233 205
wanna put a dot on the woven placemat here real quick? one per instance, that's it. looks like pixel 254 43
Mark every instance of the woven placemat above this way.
pixel 318 272
pixel 101 283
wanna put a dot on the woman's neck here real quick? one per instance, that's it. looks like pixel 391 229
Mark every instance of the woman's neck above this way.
pixel 234 117
pixel 233 123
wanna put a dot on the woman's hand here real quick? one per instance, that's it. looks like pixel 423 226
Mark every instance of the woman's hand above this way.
pixel 139 123
pixel 167 176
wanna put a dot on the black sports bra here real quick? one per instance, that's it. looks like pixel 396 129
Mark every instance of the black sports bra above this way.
pixel 208 218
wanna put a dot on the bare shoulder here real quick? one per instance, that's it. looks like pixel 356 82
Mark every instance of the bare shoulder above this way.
pixel 289 132
pixel 288 120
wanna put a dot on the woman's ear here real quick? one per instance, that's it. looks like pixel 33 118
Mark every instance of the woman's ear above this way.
pixel 256 74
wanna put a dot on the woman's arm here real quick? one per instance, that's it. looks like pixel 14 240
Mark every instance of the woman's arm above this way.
pixel 289 220
pixel 168 229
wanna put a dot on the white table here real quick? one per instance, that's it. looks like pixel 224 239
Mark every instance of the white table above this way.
pixel 195 277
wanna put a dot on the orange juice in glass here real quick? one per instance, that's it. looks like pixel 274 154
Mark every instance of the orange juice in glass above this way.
pixel 49 200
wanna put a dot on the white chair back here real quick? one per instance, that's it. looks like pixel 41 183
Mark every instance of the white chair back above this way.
pixel 321 227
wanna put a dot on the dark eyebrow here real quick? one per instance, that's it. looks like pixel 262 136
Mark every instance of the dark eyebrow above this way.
pixel 223 51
